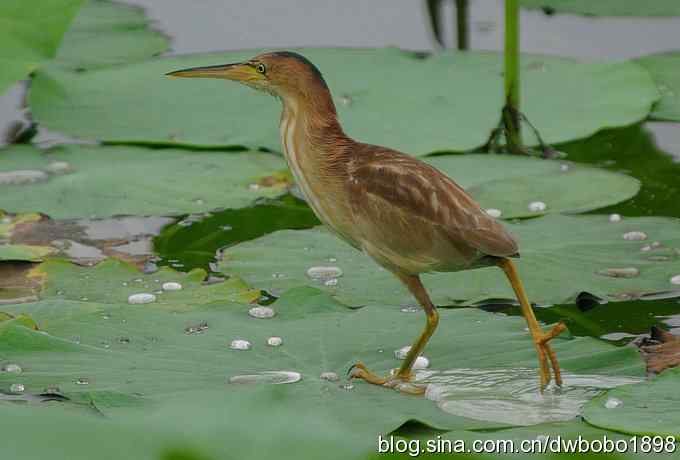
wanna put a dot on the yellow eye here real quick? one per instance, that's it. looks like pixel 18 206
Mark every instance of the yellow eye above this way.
pixel 261 68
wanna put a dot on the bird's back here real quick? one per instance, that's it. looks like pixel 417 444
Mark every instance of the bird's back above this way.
pixel 412 218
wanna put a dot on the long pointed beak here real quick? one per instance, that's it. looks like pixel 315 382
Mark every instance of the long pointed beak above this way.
pixel 237 72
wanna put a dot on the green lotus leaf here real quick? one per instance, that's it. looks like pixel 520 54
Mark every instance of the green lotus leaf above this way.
pixel 511 183
pixel 248 425
pixel 561 256
pixel 31 35
pixel 116 357
pixel 665 70
pixel 106 33
pixel 113 281
pixel 105 181
pixel 541 442
pixel 608 7
pixel 647 408
pixel 388 97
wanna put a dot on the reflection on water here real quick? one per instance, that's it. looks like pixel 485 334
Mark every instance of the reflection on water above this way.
pixel 512 395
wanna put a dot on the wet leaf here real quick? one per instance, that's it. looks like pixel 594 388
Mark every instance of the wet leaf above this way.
pixel 113 281
pixel 665 69
pixel 159 360
pixel 607 7
pixel 510 183
pixel 647 408
pixel 560 257
pixel 108 181
pixel 11 249
pixel 258 423
pixel 106 33
pixel 454 105
pixel 30 36
pixel 544 441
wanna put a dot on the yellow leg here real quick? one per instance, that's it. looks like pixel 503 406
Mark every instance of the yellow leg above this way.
pixel 404 374
pixel 541 339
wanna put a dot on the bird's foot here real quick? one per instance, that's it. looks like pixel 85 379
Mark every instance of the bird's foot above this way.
pixel 401 382
pixel 547 355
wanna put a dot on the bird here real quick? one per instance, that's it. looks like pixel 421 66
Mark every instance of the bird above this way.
pixel 405 214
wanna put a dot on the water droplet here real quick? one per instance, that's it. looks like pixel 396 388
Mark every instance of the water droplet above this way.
pixel 274 341
pixel 60 292
pixel 324 273
pixel 185 223
pixel 278 275
pixel 402 352
pixel 330 376
pixel 614 218
pixel 105 344
pixel 271 377
pixel 331 282
pixel 650 247
pixel 628 272
pixel 125 283
pixel 254 187
pixel 82 381
pixel 564 167
pixel 196 328
pixel 13 368
pixel 346 100
pixel 635 236
pixel 22 177
pixel 124 340
pixel 171 286
pixel 76 339
pixel 84 299
pixel 16 388
pixel 261 312
pixel 675 279
pixel 199 201
pixel 347 386
pixel 659 258
pixel 410 309
pixel 613 403
pixel 493 212
pixel 226 228
pixel 59 167
pixel 138 280
pixel 141 298
pixel 239 344
pixel 537 206
pixel 421 362
pixel 52 390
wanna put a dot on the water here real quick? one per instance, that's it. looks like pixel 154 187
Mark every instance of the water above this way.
pixel 493 212
pixel 324 273
pixel 270 377
pixel 274 341
pixel 141 298
pixel 171 286
pixel 262 312
pixel 16 388
pixel 635 236
pixel 537 206
pixel 613 403
pixel 22 177
pixel 239 344
pixel 614 218
pixel 196 328
pixel 329 376
pixel 512 395
pixel 12 368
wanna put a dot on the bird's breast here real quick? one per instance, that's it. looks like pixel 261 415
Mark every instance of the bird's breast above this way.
pixel 322 195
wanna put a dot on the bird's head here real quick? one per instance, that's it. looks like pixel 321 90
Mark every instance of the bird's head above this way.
pixel 281 73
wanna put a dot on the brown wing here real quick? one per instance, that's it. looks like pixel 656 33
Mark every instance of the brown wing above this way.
pixel 391 188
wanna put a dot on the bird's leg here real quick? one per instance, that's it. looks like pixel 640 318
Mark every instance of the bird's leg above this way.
pixel 404 374
pixel 541 339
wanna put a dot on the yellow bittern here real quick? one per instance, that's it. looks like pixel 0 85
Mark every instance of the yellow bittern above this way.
pixel 405 214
